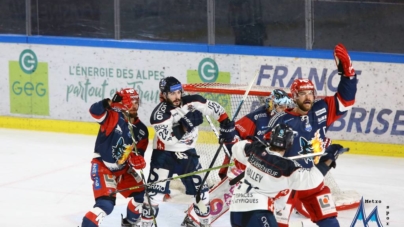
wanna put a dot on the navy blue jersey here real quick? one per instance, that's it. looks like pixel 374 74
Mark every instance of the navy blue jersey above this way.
pixel 254 123
pixel 310 129
pixel 114 141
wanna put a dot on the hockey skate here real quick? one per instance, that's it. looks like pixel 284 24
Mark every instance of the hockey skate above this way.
pixel 188 222
pixel 125 223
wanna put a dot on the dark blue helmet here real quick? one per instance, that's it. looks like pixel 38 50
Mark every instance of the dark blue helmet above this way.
pixel 170 84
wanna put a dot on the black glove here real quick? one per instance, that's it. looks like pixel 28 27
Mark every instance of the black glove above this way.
pixel 116 98
pixel 191 120
pixel 227 131
pixel 331 153
pixel 255 146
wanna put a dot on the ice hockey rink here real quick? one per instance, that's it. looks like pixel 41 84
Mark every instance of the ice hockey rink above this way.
pixel 46 182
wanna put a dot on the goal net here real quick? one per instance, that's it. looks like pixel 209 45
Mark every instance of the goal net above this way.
pixel 230 96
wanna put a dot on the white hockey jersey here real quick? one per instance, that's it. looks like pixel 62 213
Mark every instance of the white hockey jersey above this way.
pixel 164 117
pixel 268 179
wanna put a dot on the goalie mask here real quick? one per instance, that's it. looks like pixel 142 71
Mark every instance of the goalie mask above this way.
pixel 281 137
pixel 278 97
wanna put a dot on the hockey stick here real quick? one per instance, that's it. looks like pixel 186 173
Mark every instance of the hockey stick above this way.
pixel 198 193
pixel 172 178
pixel 212 126
pixel 241 175
pixel 130 126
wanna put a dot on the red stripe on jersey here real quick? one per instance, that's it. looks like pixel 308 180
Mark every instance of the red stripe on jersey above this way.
pixel 109 124
pixel 160 145
pixel 98 117
pixel 142 144
pixel 222 117
pixel 244 131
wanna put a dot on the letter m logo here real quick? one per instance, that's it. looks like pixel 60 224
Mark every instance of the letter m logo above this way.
pixel 360 219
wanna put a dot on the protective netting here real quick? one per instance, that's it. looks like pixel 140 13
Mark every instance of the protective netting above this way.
pixel 230 96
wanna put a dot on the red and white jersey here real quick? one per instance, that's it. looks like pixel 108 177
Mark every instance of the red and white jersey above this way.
pixel 164 117
pixel 269 177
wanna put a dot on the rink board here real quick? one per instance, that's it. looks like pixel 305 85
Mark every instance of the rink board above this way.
pixel 86 128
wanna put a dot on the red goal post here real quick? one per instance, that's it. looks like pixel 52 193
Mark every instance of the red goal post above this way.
pixel 231 89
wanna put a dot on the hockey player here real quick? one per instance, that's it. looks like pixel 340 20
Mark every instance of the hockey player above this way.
pixel 269 177
pixel 256 122
pixel 176 121
pixel 253 124
pixel 114 164
pixel 310 120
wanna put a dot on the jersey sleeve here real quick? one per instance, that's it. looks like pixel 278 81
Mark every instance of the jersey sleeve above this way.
pixel 245 127
pixel 239 153
pixel 343 100
pixel 205 106
pixel 142 135
pixel 162 122
pixel 107 118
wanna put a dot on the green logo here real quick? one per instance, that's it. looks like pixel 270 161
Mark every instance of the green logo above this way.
pixel 208 70
pixel 28 61
pixel 29 88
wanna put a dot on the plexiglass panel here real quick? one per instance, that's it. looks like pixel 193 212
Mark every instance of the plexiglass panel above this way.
pixel 164 20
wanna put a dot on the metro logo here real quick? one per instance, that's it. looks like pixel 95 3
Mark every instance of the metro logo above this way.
pixel 360 219
pixel 28 83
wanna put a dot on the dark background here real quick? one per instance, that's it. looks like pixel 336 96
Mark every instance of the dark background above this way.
pixel 372 25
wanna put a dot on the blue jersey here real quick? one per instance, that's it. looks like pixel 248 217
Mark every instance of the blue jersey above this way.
pixel 114 141
pixel 310 129
pixel 254 123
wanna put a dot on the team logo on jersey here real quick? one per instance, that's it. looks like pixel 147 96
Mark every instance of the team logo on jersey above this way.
pixel 322 119
pixel 307 126
pixel 315 145
pixel 118 129
pixel 121 151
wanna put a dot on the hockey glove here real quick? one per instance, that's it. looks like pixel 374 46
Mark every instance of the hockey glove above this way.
pixel 136 161
pixel 332 152
pixel 227 131
pixel 191 120
pixel 123 99
pixel 343 61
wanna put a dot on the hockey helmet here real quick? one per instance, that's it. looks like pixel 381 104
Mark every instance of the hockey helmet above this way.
pixel 281 137
pixel 134 96
pixel 170 84
pixel 278 97
pixel 301 85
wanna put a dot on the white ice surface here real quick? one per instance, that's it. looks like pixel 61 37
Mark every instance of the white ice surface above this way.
pixel 45 182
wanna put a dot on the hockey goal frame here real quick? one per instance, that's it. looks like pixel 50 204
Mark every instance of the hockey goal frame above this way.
pixel 344 199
